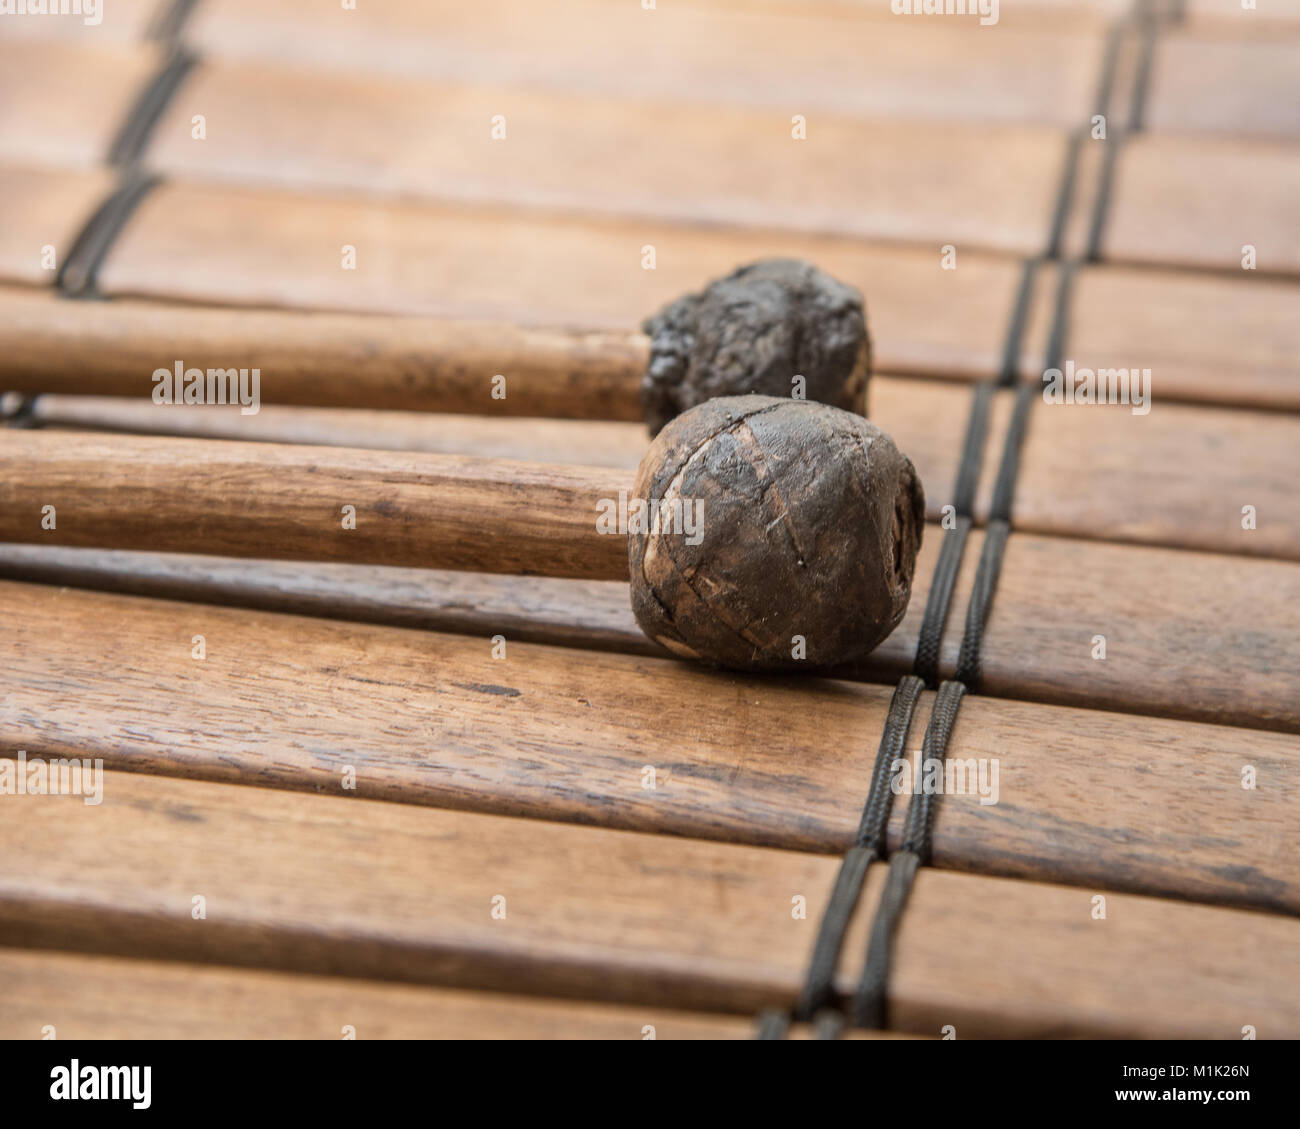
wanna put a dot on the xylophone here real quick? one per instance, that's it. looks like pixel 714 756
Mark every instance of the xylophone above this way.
pixel 325 708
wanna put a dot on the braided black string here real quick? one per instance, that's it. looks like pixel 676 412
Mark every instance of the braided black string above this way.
pixel 77 277
pixel 89 249
pixel 868 1008
pixel 939 602
pixel 133 136
pixel 868 845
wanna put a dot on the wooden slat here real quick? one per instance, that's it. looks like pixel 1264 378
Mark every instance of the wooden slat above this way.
pixel 141 999
pixel 881 177
pixel 241 499
pixel 593 614
pixel 207 244
pixel 1179 476
pixel 1212 340
pixel 44 208
pixel 1199 468
pixel 1201 85
pixel 45 115
pixel 560 735
pixel 824 56
pixel 1186 633
pixel 1197 203
pixel 1189 635
pixel 835 58
pixel 320 884
pixel 586 443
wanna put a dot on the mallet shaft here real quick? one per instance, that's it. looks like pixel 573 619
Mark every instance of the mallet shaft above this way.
pixel 288 502
pixel 329 360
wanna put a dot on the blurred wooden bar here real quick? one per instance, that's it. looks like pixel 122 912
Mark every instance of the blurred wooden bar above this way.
pixel 1197 203
pixel 1040 64
pixel 1228 17
pixel 46 117
pixel 45 209
pixel 1203 84
pixel 95 997
pixel 1191 202
pixel 654 160
pixel 798 55
pixel 1187 201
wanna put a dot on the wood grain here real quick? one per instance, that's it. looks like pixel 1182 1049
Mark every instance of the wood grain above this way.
pixel 145 999
pixel 592 614
pixel 1176 477
pixel 46 117
pixel 434 511
pixel 435 719
pixel 319 884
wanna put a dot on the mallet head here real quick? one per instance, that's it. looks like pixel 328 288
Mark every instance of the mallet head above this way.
pixel 810 524
pixel 752 333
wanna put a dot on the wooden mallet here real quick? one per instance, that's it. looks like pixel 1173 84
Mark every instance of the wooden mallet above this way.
pixel 778 327
pixel 758 532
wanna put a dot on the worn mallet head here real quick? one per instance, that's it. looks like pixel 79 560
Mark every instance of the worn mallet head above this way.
pixel 810 526
pixel 752 333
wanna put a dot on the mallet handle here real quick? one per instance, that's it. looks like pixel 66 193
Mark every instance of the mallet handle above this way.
pixel 287 501
pixel 329 360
